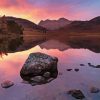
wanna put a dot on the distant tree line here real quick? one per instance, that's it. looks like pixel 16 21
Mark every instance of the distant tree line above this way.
pixel 9 27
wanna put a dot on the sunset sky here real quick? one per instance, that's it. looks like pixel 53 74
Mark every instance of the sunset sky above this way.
pixel 36 10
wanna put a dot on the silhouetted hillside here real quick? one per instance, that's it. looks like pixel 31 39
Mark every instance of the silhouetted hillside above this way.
pixel 90 26
pixel 29 28
pixel 13 27
pixel 9 27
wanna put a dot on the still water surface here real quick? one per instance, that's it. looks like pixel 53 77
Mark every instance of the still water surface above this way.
pixel 56 90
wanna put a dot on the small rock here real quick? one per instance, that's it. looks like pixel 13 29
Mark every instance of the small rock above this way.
pixel 89 64
pixel 94 90
pixel 82 65
pixel 76 94
pixel 76 70
pixel 47 74
pixel 98 66
pixel 69 69
pixel 7 84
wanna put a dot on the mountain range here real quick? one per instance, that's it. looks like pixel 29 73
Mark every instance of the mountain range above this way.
pixel 61 25
pixel 92 26
pixel 65 25
pixel 29 28
pixel 54 24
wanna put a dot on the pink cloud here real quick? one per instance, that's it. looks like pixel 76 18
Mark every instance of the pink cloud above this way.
pixel 42 10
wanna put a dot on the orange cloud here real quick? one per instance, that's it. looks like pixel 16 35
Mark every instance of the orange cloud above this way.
pixel 39 10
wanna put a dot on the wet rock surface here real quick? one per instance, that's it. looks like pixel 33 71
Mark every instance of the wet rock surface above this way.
pixel 82 64
pixel 7 84
pixel 39 69
pixel 94 66
pixel 76 94
pixel 69 69
pixel 76 69
pixel 98 66
pixel 94 90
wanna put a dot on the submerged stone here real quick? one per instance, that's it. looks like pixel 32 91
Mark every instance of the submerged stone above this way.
pixel 76 69
pixel 82 65
pixel 97 66
pixel 94 90
pixel 69 69
pixel 39 68
pixel 76 94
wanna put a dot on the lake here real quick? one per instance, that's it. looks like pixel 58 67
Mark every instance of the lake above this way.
pixel 84 79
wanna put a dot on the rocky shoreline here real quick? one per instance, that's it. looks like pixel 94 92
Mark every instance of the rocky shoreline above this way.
pixel 41 68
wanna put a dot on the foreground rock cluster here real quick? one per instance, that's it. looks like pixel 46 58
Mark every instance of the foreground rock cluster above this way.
pixel 39 69
pixel 78 94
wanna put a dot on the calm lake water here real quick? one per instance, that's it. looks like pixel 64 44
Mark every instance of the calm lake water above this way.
pixel 87 77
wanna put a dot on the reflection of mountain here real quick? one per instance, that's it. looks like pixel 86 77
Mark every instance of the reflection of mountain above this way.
pixel 10 44
pixel 31 41
pixel 91 43
pixel 54 44
pixel 54 24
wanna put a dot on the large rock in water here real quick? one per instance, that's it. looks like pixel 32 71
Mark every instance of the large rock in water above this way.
pixel 39 68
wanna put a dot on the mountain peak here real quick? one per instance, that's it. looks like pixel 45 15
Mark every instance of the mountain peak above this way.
pixel 63 19
pixel 54 24
pixel 96 19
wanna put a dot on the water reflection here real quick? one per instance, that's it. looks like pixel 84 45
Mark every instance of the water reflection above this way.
pixel 87 42
pixel 8 44
pixel 18 49
pixel 56 90
pixel 11 44
pixel 75 42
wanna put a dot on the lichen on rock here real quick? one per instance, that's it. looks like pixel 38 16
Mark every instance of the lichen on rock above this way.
pixel 39 68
